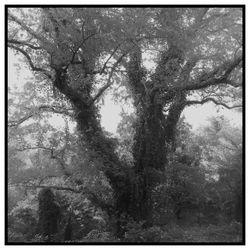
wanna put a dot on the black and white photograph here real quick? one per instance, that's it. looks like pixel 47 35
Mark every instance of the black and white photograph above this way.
pixel 125 124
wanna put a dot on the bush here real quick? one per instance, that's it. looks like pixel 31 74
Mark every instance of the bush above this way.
pixel 22 224
pixel 136 232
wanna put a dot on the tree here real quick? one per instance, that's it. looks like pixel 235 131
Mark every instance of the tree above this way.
pixel 222 157
pixel 197 55
pixel 49 214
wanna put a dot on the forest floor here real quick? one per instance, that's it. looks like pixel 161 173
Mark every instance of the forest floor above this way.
pixel 222 233
pixel 213 233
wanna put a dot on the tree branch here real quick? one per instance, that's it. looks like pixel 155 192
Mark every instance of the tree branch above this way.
pixel 54 187
pixel 48 46
pixel 33 67
pixel 41 108
pixel 109 82
pixel 24 44
pixel 193 102
pixel 78 47
pixel 104 65
pixel 53 156
pixel 212 78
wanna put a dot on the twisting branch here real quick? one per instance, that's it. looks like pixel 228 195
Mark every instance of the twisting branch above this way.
pixel 42 108
pixel 33 67
pixel 193 102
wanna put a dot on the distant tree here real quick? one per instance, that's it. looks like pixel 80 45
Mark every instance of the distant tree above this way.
pixel 49 214
pixel 222 157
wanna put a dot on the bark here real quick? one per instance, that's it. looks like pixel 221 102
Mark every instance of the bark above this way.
pixel 173 117
pixel 118 174
pixel 153 130
pixel 150 157
pixel 132 187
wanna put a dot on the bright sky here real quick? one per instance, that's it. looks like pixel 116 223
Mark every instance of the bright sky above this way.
pixel 196 115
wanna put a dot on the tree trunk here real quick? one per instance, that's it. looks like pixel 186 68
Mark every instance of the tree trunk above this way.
pixel 153 130
pixel 150 157
pixel 132 187
pixel 101 147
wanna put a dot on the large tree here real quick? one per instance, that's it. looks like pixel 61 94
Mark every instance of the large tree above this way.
pixel 195 55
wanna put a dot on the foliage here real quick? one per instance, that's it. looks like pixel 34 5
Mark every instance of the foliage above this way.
pixel 136 232
pixel 22 222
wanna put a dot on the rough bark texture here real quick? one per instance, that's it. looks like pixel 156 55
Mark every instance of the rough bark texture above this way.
pixel 153 130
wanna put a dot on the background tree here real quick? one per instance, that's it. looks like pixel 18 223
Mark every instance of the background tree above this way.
pixel 79 53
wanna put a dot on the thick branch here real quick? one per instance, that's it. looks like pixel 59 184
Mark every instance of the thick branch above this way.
pixel 212 78
pixel 193 102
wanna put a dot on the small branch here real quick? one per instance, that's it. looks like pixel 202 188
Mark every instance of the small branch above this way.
pixel 44 41
pixel 53 156
pixel 101 90
pixel 193 102
pixel 24 44
pixel 33 67
pixel 41 108
pixel 32 148
pixel 55 109
pixel 54 187
pixel 16 123
pixel 46 177
pixel 109 82
pixel 78 47
pixel 104 66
